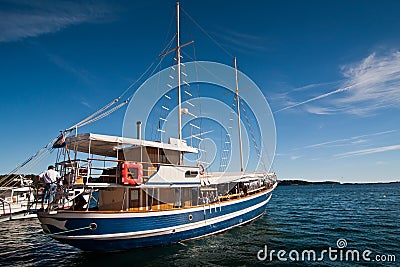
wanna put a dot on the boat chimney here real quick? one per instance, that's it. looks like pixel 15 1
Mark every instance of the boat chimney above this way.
pixel 139 130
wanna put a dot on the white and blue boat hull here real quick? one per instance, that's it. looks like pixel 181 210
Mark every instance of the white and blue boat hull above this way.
pixel 117 231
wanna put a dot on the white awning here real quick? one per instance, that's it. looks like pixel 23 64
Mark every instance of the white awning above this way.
pixel 107 145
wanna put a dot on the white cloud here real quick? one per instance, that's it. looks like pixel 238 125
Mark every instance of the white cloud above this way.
pixel 241 41
pixel 369 85
pixel 368 151
pixel 353 140
pixel 280 99
pixel 321 110
pixel 317 98
pixel 376 84
pixel 64 64
pixel 23 19
pixel 86 104
pixel 359 141
pixel 316 85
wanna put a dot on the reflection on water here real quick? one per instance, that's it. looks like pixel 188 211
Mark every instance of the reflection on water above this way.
pixel 298 217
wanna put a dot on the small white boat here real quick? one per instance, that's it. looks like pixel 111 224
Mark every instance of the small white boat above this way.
pixel 25 200
pixel 16 203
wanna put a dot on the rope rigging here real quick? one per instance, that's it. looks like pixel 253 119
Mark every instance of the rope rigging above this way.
pixel 103 112
pixel 93 115
pixel 207 34
pixel 252 135
pixel 113 106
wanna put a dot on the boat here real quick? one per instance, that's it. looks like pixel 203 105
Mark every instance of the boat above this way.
pixel 21 199
pixel 134 193
pixel 17 201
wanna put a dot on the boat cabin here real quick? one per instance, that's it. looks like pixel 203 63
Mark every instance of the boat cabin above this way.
pixel 113 159
pixel 126 174
pixel 137 174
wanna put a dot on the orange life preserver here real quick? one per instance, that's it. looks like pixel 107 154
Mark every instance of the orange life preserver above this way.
pixel 127 169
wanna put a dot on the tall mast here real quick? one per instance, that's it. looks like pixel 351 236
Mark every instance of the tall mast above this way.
pixel 238 111
pixel 178 57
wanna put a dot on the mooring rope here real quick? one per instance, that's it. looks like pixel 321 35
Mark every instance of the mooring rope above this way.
pixel 91 226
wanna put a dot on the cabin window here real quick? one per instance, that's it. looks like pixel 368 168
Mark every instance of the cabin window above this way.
pixel 191 174
pixel 6 194
pixel 157 155
pixel 178 198
pixel 195 196
pixel 152 154
pixel 163 157
pixel 134 195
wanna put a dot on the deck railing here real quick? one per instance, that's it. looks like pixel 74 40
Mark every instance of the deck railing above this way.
pixel 4 202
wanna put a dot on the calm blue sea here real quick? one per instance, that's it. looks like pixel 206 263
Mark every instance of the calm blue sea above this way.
pixel 298 218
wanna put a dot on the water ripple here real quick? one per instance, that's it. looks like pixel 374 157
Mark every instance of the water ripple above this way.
pixel 297 218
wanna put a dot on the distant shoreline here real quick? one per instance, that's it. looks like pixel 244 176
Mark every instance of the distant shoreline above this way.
pixel 281 182
pixel 301 182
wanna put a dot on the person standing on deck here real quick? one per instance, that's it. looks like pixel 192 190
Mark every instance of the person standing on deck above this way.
pixel 50 178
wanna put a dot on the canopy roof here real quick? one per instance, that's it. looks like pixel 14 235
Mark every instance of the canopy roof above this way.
pixel 107 145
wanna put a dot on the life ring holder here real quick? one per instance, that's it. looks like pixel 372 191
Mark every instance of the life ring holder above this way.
pixel 202 168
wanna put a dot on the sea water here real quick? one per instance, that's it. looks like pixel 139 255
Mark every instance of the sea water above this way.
pixel 299 221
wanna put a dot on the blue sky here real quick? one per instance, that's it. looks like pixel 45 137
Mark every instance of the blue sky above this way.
pixel 330 71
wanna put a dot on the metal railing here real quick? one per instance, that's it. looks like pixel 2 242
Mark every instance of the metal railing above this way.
pixel 4 209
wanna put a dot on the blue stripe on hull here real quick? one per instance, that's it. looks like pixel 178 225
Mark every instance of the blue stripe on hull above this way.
pixel 112 226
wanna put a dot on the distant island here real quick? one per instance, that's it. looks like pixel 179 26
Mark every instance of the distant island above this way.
pixel 301 182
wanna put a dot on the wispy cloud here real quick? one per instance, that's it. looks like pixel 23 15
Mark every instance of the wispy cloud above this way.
pixel 86 104
pixel 368 85
pixel 316 98
pixel 353 139
pixel 280 99
pixel 64 64
pixel 23 19
pixel 316 85
pixel 368 151
pixel 376 84
pixel 321 110
pixel 359 141
pixel 242 41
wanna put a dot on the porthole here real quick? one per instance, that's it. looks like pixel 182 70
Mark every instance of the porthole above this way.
pixel 190 217
pixel 92 226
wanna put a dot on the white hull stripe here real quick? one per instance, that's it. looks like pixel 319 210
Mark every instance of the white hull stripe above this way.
pixel 225 229
pixel 169 230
